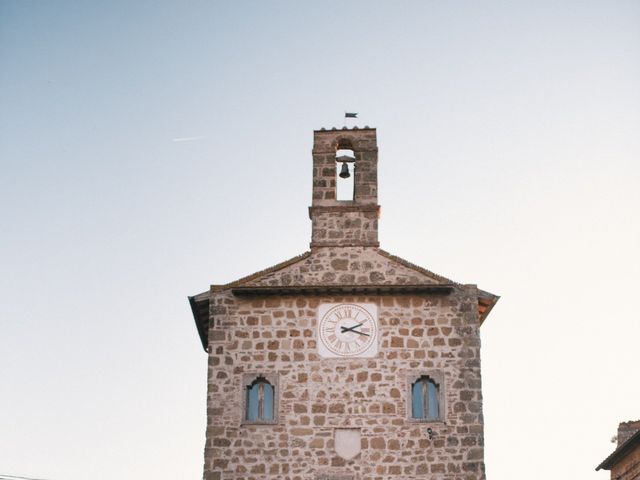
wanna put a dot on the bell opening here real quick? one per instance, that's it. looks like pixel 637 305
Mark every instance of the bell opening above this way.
pixel 345 175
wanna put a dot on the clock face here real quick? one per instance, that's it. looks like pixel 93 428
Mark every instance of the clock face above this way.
pixel 347 330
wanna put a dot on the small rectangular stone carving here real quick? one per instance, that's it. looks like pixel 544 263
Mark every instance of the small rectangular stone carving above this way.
pixel 347 442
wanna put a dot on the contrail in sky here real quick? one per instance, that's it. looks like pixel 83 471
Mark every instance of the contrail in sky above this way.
pixel 15 477
pixel 186 139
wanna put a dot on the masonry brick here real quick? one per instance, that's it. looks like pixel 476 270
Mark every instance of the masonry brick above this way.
pixel 432 331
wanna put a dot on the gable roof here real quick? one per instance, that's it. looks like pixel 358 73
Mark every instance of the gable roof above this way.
pixel 356 265
pixel 415 267
pixel 254 277
pixel 298 275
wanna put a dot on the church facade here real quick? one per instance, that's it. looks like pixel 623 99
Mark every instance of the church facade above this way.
pixel 345 362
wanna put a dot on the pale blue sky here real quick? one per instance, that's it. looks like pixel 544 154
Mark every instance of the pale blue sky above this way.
pixel 509 157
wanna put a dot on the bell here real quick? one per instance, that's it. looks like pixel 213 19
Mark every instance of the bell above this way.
pixel 344 171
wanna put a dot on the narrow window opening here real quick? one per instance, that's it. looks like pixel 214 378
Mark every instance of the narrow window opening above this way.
pixel 425 399
pixel 345 174
pixel 259 405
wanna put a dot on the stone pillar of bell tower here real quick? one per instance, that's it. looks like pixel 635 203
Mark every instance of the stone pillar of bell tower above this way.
pixel 351 222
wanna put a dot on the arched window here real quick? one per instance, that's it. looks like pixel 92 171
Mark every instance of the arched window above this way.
pixel 425 399
pixel 260 401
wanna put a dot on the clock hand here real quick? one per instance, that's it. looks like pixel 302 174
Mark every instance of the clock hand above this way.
pixel 360 333
pixel 350 329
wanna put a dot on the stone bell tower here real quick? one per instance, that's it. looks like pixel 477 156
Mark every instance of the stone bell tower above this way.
pixel 345 222
pixel 345 362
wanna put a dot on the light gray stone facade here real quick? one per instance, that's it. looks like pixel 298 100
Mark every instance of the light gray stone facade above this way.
pixel 266 324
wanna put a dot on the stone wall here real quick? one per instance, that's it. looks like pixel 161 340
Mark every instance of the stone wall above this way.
pixel 365 400
pixel 346 265
pixel 628 468
pixel 364 145
pixel 626 430
pixel 342 226
pixel 351 222
pixel 420 334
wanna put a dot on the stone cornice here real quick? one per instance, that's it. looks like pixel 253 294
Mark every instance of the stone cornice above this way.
pixel 342 243
pixel 343 209
pixel 268 290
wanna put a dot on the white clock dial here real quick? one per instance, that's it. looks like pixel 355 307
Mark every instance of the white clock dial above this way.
pixel 347 330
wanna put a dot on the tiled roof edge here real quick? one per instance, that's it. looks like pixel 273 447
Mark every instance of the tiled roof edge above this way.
pixel 413 266
pixel 260 273
pixel 619 452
